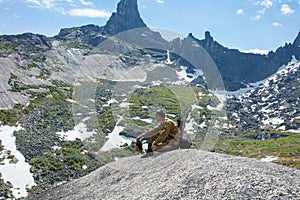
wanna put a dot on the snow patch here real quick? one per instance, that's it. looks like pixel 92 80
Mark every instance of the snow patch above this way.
pixel 156 83
pixel 182 75
pixel 294 131
pixel 168 61
pixel 269 159
pixel 190 124
pixel 189 77
pixel 149 121
pixel 221 95
pixel 79 132
pixel 124 105
pixel 273 121
pixel 70 100
pixel 115 139
pixel 16 173
pixel 256 51
pixel 111 101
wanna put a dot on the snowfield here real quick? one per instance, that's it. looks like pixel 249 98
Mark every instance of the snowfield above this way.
pixel 17 173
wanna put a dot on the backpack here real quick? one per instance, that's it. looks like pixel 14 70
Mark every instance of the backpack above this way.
pixel 185 140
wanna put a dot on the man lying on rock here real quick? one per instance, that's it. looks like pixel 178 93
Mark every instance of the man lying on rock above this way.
pixel 164 137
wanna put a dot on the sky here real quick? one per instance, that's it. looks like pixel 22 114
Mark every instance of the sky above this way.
pixel 248 25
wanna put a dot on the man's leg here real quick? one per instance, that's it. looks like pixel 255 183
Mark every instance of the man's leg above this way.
pixel 151 140
pixel 168 145
pixel 149 151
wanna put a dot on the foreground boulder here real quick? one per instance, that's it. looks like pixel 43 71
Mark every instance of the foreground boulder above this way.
pixel 183 174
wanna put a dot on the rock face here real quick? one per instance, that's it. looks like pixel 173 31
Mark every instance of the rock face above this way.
pixel 126 18
pixel 25 44
pixel 238 68
pixel 183 174
pixel 87 35
pixel 297 40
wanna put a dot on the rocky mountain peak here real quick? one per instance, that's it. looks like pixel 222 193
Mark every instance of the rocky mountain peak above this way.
pixel 208 37
pixel 297 40
pixel 126 18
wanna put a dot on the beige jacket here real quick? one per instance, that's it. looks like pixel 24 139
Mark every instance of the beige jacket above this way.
pixel 166 129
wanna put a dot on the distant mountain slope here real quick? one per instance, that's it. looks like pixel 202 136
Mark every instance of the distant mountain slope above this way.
pixel 274 104
pixel 183 174
pixel 237 69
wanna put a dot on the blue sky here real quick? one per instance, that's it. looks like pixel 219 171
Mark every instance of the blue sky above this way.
pixel 242 24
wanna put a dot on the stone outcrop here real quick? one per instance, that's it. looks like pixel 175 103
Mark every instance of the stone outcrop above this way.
pixel 183 174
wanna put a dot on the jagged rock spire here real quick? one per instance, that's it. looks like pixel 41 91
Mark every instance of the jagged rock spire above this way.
pixel 126 18
pixel 297 40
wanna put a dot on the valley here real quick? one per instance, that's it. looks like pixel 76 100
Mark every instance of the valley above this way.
pixel 75 102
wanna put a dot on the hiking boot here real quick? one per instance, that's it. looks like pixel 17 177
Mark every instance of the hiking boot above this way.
pixel 139 146
pixel 147 155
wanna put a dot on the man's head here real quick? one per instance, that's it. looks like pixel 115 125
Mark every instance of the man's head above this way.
pixel 160 116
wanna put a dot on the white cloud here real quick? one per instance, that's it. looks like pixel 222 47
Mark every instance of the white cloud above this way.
pixel 276 24
pixel 160 1
pixel 256 18
pixel 59 5
pixel 240 12
pixel 262 11
pixel 93 13
pixel 266 3
pixel 86 3
pixel 256 51
pixel 286 9
pixel 48 4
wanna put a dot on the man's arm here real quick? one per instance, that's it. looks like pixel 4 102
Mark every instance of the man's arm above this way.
pixel 163 136
pixel 152 132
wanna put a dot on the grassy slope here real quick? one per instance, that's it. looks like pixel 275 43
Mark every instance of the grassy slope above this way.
pixel 286 149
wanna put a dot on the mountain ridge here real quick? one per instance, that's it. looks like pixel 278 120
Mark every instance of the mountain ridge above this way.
pixel 237 69
pixel 126 18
